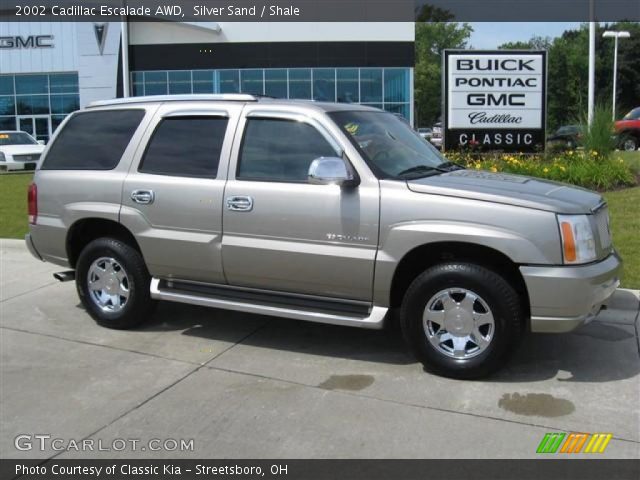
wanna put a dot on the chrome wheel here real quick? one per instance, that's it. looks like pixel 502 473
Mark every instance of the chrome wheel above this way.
pixel 630 145
pixel 458 323
pixel 108 284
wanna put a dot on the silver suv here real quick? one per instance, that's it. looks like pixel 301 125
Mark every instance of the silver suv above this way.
pixel 332 213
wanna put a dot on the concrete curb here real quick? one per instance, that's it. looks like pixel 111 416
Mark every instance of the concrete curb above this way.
pixel 624 306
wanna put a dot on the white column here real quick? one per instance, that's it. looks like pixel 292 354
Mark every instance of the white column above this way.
pixel 592 70
pixel 124 39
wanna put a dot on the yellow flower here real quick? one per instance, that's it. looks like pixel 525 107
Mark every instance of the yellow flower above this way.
pixel 477 166
pixel 562 168
pixel 545 170
pixel 494 169
pixel 594 153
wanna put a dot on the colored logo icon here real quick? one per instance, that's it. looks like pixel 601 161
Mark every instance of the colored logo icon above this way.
pixel 574 443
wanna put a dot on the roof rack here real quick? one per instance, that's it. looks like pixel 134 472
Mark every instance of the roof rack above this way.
pixel 229 97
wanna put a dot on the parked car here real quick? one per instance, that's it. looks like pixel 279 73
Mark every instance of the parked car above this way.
pixel 425 132
pixel 436 135
pixel 566 137
pixel 324 212
pixel 628 130
pixel 18 150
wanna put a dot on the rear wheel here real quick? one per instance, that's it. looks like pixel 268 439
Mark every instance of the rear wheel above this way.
pixel 113 284
pixel 461 320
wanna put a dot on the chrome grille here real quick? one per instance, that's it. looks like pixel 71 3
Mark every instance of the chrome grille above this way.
pixel 33 157
pixel 602 225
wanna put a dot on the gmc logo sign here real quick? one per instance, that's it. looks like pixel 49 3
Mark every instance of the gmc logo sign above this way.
pixel 31 41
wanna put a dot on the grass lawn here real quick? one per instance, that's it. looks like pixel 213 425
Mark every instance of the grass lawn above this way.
pixel 630 158
pixel 13 204
pixel 624 208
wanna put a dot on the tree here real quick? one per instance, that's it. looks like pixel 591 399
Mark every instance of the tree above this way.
pixel 568 70
pixel 431 40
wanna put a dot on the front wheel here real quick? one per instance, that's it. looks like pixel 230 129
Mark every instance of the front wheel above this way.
pixel 630 144
pixel 113 284
pixel 461 320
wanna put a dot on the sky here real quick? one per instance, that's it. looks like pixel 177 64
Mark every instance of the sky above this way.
pixel 488 35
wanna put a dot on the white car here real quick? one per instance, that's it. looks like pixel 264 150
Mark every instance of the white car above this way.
pixel 436 135
pixel 19 150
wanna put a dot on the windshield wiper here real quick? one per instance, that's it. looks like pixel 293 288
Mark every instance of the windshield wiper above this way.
pixel 422 169
pixel 450 166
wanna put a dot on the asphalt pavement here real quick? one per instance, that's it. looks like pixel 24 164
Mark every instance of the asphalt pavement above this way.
pixel 232 385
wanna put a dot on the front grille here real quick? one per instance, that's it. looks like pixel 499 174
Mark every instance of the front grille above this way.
pixel 32 157
pixel 602 225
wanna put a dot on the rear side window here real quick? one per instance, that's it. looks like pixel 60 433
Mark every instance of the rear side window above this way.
pixel 280 150
pixel 93 140
pixel 186 147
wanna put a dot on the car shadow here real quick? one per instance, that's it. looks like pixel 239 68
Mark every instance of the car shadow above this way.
pixel 597 352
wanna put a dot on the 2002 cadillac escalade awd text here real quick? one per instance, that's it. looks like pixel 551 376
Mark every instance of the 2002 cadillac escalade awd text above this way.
pixel 331 213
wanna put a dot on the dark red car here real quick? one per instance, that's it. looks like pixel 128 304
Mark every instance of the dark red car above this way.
pixel 628 130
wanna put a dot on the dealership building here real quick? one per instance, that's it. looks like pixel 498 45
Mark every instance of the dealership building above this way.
pixel 49 69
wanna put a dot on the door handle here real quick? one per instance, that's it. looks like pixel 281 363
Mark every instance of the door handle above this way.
pixel 144 197
pixel 241 203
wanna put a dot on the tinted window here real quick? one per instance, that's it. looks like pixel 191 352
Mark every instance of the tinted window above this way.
pixel 186 147
pixel 93 140
pixel 280 150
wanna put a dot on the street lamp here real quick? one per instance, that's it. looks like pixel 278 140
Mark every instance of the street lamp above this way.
pixel 616 36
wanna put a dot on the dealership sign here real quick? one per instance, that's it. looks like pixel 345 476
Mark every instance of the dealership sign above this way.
pixel 494 100
pixel 31 41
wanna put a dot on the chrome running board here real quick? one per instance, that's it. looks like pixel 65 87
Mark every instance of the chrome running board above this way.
pixel 171 291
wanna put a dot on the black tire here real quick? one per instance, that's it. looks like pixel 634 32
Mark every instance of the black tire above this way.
pixel 502 300
pixel 139 304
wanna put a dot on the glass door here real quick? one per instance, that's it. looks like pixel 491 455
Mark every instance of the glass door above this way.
pixel 38 126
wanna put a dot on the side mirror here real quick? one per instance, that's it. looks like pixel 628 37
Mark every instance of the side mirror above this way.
pixel 331 171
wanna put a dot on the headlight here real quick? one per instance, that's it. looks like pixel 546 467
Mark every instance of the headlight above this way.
pixel 578 243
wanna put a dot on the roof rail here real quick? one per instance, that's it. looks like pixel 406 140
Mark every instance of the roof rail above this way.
pixel 229 97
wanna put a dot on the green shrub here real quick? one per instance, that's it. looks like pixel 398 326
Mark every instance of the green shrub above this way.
pixel 600 136
pixel 584 169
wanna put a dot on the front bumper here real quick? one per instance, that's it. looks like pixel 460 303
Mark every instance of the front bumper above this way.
pixel 564 297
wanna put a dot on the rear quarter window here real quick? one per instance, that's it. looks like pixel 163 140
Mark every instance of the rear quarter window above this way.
pixel 93 140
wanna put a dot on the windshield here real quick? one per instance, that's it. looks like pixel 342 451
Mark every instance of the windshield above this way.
pixel 390 147
pixel 16 138
pixel 633 114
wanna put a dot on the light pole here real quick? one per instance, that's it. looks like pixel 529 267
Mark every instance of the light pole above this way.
pixel 615 36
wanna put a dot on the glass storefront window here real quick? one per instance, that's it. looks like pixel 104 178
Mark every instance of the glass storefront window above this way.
pixel 348 90
pixel 6 85
pixel 300 83
pixel 137 83
pixel 179 82
pixel 31 84
pixel 384 88
pixel 7 123
pixel 63 83
pixel 229 81
pixel 203 81
pixel 155 83
pixel 7 105
pixel 370 85
pixel 252 81
pixel 33 105
pixel 324 84
pixel 64 103
pixel 396 85
pixel 275 82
